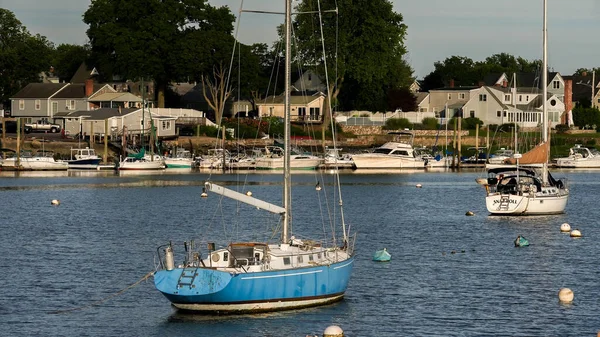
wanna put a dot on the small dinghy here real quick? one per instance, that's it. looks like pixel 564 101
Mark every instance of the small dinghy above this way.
pixel 521 241
pixel 382 255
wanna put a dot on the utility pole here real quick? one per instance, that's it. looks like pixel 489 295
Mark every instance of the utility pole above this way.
pixel 593 86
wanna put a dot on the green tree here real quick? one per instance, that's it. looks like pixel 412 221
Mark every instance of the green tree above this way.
pixel 364 50
pixel 22 56
pixel 586 117
pixel 67 58
pixel 166 40
pixel 465 72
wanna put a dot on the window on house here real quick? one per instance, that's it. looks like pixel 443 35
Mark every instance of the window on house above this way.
pixel 461 95
pixel 314 114
pixel 422 109
pixel 498 113
pixel 482 97
pixel 520 98
pixel 302 111
pixel 504 114
pixel 271 111
pixel 449 96
pixel 556 84
pixel 472 113
pixel 21 104
pixel 38 104
pixel 507 98
pixel 71 104
pixel 527 98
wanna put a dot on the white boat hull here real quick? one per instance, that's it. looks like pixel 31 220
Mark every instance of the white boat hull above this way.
pixel 296 163
pixel 142 165
pixel 377 161
pixel 34 164
pixel 534 204
pixel 577 163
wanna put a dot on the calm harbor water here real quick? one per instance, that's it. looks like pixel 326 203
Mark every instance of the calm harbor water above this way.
pixel 450 275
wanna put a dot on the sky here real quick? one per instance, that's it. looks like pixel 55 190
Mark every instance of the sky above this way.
pixel 437 29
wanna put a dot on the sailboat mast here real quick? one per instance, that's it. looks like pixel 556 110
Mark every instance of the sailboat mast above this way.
pixel 545 91
pixel 143 114
pixel 287 179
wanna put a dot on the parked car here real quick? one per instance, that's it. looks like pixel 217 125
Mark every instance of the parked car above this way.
pixel 41 126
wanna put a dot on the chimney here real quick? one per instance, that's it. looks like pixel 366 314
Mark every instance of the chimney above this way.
pixel 568 100
pixel 451 83
pixel 89 87
pixel 481 83
pixel 505 84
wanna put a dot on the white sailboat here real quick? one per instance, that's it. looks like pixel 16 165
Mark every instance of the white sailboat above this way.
pixel 516 190
pixel 250 277
pixel 142 160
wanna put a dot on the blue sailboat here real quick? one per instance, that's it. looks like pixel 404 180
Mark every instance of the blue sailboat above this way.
pixel 251 277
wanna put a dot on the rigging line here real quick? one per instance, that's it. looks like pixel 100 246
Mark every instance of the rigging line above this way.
pixel 147 276
pixel 333 131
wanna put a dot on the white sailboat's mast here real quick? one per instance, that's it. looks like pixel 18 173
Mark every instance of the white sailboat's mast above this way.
pixel 545 91
pixel 287 181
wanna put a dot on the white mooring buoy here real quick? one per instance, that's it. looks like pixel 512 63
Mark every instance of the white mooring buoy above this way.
pixel 576 233
pixel 565 228
pixel 333 331
pixel 419 185
pixel 565 295
pixel 249 193
pixel 55 202
pixel 469 213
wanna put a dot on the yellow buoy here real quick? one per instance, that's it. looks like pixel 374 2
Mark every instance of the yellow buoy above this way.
pixel 419 186
pixel 333 331
pixel 469 213
pixel 55 202
pixel 565 295
pixel 575 233
pixel 565 227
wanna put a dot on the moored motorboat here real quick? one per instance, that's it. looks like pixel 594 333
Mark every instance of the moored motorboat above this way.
pixel 580 157
pixel 396 154
pixel 85 158
pixel 41 161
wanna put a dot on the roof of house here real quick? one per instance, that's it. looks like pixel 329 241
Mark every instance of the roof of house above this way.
pixel 294 99
pixel 98 114
pixel 77 90
pixel 455 88
pixel 83 73
pixel 39 90
pixel 116 97
pixel 421 96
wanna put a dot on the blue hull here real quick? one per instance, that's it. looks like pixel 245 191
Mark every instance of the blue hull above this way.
pixel 217 291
